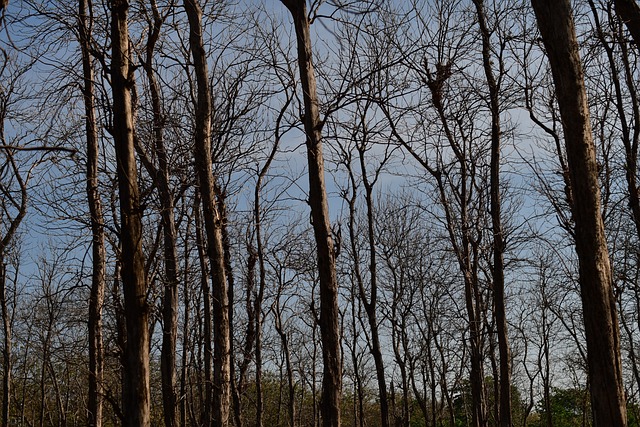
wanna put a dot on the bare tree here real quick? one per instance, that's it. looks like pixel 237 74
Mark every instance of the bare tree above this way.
pixel 96 300
pixel 494 88
pixel 599 310
pixel 329 312
pixel 136 394
pixel 160 176
pixel 212 219
pixel 361 138
pixel 13 205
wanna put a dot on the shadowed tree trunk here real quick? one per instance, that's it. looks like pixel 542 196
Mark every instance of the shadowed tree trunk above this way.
pixel 136 396
pixel 6 317
pixel 98 254
pixel 17 205
pixel 368 302
pixel 206 302
pixel 212 221
pixel 6 351
pixel 186 325
pixel 254 332
pixel 160 176
pixel 504 416
pixel 329 313
pixel 598 302
pixel 629 11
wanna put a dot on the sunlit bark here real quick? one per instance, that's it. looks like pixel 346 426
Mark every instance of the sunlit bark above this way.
pixel 136 394
pixel 598 302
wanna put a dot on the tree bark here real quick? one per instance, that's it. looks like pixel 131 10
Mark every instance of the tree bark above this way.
pixel 598 302
pixel 6 351
pixel 329 312
pixel 206 302
pixel 369 304
pixel 258 256
pixel 136 379
pixel 13 224
pixel 96 299
pixel 212 221
pixel 160 175
pixel 504 412
pixel 186 325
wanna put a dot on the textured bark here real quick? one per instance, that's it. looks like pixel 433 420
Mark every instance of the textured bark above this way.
pixel 136 376
pixel 329 313
pixel 504 416
pixel 284 340
pixel 599 309
pixel 212 221
pixel 98 254
pixel 250 340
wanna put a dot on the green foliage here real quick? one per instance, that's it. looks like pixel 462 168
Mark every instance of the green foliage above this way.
pixel 570 407
pixel 463 402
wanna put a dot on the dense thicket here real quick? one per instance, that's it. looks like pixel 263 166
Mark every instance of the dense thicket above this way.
pixel 302 213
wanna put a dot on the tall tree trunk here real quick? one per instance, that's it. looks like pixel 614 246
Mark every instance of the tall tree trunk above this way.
pixel 329 312
pixel 160 175
pixel 96 299
pixel 504 412
pixel 21 206
pixel 212 221
pixel 229 287
pixel 186 325
pixel 370 306
pixel 170 299
pixel 6 351
pixel 136 379
pixel 598 302
pixel 284 340
pixel 250 339
pixel 206 302
pixel 259 254
pixel 369 303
